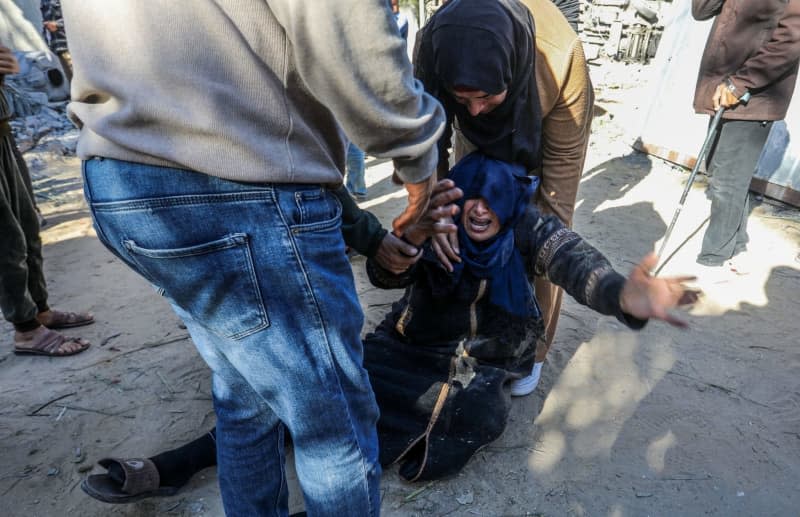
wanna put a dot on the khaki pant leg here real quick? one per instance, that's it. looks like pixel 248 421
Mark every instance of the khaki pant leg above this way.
pixel 549 297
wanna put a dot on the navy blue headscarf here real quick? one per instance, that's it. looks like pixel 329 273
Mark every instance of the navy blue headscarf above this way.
pixel 507 190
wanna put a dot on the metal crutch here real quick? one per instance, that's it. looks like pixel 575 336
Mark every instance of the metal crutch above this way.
pixel 712 131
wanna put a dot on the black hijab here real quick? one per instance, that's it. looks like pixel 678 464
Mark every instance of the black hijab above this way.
pixel 486 45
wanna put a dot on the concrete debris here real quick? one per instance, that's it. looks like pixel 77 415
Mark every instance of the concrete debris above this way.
pixel 41 72
pixel 625 30
pixel 38 96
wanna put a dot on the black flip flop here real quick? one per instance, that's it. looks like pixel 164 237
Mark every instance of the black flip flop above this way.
pixel 141 481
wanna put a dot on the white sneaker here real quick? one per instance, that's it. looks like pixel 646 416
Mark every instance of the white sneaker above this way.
pixel 526 385
pixel 709 275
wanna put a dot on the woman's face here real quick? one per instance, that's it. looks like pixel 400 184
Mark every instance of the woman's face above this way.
pixel 479 221
pixel 478 102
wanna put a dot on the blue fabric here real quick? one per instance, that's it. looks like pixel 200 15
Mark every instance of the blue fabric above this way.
pixel 355 182
pixel 259 275
pixel 507 190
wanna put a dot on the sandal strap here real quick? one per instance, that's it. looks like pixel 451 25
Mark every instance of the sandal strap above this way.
pixel 68 317
pixel 53 342
pixel 141 474
pixel 50 342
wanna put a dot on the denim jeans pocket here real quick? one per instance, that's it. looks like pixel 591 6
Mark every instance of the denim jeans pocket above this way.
pixel 215 282
pixel 316 210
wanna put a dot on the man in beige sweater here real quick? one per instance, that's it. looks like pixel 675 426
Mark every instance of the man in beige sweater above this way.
pixel 211 135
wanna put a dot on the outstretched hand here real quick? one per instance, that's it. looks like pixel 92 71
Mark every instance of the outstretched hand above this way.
pixel 645 296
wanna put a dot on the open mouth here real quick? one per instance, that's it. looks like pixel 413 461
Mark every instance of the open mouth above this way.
pixel 479 224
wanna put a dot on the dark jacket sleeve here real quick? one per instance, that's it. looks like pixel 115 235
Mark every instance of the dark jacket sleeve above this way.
pixel 361 229
pixel 562 256
pixel 776 57
pixel 705 9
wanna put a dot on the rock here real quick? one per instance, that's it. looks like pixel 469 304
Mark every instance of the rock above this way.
pixel 466 498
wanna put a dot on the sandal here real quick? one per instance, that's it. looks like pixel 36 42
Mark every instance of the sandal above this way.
pixel 64 319
pixel 140 480
pixel 44 341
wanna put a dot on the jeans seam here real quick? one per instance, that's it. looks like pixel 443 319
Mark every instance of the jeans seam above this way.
pixel 279 451
pixel 329 357
pixel 179 200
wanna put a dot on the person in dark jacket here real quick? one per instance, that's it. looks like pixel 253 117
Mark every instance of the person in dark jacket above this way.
pixel 753 47
pixel 443 360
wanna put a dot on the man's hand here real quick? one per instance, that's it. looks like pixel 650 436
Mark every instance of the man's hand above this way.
pixel 419 195
pixel 51 26
pixel 438 218
pixel 645 296
pixel 8 63
pixel 724 97
pixel 396 255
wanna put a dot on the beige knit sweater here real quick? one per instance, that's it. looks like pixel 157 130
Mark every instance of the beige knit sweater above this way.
pixel 249 90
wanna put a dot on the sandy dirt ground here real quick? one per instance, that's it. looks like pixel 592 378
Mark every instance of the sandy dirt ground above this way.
pixel 704 421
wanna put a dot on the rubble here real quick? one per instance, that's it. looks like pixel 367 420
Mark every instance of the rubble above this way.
pixel 38 96
pixel 625 30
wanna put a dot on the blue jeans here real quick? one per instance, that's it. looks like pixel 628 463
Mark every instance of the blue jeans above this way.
pixel 355 171
pixel 259 275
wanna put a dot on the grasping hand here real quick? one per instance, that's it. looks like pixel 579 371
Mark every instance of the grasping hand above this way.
pixel 396 255
pixel 418 197
pixel 438 218
pixel 445 245
pixel 645 296
pixel 724 97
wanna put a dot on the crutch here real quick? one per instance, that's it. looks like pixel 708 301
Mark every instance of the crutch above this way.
pixel 712 131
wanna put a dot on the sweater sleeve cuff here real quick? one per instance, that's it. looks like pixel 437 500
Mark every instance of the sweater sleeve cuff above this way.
pixel 605 299
pixel 417 170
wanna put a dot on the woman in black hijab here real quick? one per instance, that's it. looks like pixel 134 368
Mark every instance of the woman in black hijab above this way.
pixel 516 91
pixel 477 58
